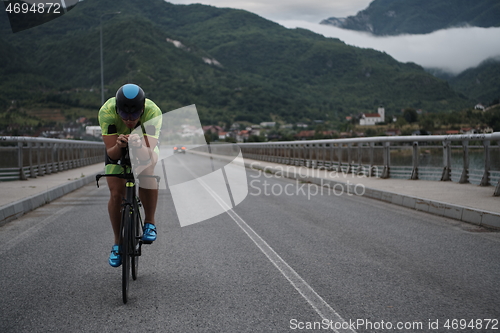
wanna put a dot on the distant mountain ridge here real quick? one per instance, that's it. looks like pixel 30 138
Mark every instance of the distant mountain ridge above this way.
pixel 234 65
pixel 394 17
pixel 481 84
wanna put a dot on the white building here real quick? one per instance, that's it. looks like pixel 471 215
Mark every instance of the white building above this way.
pixel 479 107
pixel 93 130
pixel 268 124
pixel 368 119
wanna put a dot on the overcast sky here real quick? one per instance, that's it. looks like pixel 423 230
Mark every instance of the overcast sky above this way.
pixel 453 50
pixel 302 10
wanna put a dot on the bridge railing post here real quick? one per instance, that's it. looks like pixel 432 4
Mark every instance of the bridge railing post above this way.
pixel 317 164
pixel 309 155
pixel 38 149
pixel 349 158
pixel 64 156
pixel 59 152
pixel 387 160
pixel 20 160
pixel 485 181
pixel 414 172
pixel 372 159
pixel 30 160
pixel 302 155
pixel 339 155
pixel 464 177
pixel 324 155
pixel 314 156
pixel 446 175
pixel 360 162
pixel 290 154
pixel 73 154
pixel 46 147
pixel 315 161
pixel 297 154
pixel 284 148
pixel 331 152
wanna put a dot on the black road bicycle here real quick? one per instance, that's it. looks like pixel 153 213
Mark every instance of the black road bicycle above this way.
pixel 131 223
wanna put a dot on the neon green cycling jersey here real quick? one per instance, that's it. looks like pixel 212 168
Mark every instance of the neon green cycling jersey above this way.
pixel 112 124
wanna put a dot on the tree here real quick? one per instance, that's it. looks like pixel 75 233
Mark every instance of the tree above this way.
pixel 370 132
pixel 427 124
pixel 410 115
pixel 493 119
pixel 256 138
pixel 400 122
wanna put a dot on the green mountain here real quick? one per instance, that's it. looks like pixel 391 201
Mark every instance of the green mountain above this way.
pixel 481 83
pixel 394 17
pixel 234 65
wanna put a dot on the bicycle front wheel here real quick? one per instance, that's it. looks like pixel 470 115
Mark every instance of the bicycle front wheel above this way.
pixel 136 235
pixel 127 250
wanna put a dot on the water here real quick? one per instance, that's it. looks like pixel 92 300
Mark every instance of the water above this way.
pixel 431 163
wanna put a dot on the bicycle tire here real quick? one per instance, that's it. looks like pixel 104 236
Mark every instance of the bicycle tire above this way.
pixel 126 251
pixel 136 242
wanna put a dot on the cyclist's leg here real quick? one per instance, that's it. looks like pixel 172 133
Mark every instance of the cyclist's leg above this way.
pixel 148 193
pixel 117 193
pixel 149 199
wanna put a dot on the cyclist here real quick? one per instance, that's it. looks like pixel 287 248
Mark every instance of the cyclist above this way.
pixel 118 117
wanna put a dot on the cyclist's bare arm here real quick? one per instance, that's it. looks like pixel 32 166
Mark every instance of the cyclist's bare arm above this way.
pixel 145 147
pixel 114 144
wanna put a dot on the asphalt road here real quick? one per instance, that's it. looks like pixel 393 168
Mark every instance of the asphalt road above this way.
pixel 291 255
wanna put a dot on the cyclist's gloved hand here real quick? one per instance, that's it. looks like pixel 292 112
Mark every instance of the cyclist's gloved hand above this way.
pixel 135 140
pixel 122 141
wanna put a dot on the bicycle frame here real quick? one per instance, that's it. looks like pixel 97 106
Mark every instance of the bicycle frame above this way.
pixel 131 225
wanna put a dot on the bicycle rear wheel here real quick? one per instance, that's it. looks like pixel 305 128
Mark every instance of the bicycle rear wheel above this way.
pixel 127 246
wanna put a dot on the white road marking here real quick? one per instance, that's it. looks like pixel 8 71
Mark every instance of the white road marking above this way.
pixel 325 311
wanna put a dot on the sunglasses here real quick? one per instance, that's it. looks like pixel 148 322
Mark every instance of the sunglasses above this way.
pixel 129 116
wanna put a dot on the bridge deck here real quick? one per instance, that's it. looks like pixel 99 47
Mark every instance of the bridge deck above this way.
pixel 466 202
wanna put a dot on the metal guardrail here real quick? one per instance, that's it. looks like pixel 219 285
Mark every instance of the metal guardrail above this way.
pixel 376 156
pixel 29 157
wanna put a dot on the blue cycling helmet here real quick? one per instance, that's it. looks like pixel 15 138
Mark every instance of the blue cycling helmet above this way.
pixel 130 99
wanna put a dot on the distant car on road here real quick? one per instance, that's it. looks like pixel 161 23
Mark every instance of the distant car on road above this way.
pixel 179 150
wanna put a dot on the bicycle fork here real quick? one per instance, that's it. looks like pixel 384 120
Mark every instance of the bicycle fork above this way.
pixel 131 205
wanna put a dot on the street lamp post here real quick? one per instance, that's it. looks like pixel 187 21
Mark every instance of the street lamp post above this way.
pixel 102 61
